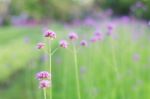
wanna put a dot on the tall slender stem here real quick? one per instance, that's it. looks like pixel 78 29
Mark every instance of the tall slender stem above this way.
pixel 76 72
pixel 50 64
pixel 114 57
pixel 44 90
pixel 115 67
pixel 50 58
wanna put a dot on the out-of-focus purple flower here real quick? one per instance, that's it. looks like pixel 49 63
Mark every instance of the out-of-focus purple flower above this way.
pixel 76 22
pixel 63 44
pixel 26 39
pixel 40 45
pixel 44 57
pixel 94 39
pixel 98 35
pixel 73 36
pixel 23 20
pixel 125 19
pixel 83 43
pixel 83 69
pixel 111 26
pixel 136 57
pixel 50 34
pixel 89 21
pixel 44 84
pixel 43 75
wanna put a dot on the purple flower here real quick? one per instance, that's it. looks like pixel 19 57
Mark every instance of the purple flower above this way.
pixel 26 40
pixel 63 44
pixel 83 69
pixel 83 43
pixel 110 26
pixel 98 35
pixel 125 19
pixel 43 75
pixel 89 21
pixel 50 34
pixel 136 57
pixel 94 39
pixel 40 45
pixel 44 84
pixel 73 36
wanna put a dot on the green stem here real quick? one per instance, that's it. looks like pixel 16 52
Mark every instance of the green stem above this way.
pixel 53 52
pixel 76 73
pixel 115 66
pixel 44 90
pixel 50 64
pixel 114 57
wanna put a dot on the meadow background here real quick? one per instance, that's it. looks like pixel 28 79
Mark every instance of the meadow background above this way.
pixel 115 67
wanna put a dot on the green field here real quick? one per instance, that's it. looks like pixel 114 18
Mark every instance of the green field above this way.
pixel 115 68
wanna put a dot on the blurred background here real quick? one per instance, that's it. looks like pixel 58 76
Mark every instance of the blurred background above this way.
pixel 22 23
pixel 39 11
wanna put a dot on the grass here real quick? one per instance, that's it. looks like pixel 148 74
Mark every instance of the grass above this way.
pixel 97 63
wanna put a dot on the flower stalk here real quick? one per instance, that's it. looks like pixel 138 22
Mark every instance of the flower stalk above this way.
pixel 50 64
pixel 44 90
pixel 76 72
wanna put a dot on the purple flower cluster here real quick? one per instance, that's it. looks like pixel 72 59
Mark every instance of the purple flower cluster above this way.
pixel 50 34
pixel 83 43
pixel 44 78
pixel 43 75
pixel 110 28
pixel 73 36
pixel 40 45
pixel 44 84
pixel 63 44
pixel 97 37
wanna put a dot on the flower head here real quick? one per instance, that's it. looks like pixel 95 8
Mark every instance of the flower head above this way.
pixel 98 35
pixel 94 39
pixel 40 45
pixel 110 26
pixel 136 57
pixel 63 44
pixel 43 75
pixel 44 84
pixel 83 43
pixel 50 34
pixel 73 36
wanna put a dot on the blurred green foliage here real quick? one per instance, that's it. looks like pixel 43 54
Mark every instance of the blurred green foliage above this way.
pixel 137 8
pixel 69 9
pixel 45 9
pixel 14 50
